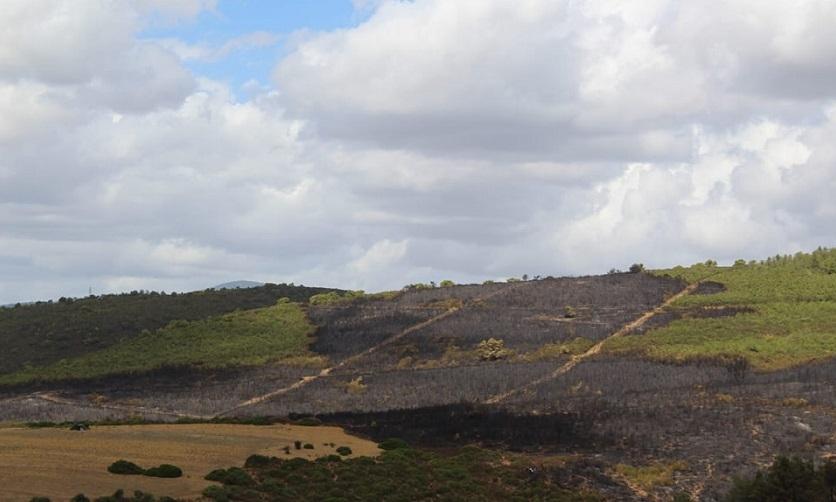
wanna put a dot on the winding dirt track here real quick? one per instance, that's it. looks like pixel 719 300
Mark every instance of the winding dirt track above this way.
pixel 595 349
pixel 371 350
pixel 52 398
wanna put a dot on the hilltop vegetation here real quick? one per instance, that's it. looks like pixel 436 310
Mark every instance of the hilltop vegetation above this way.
pixel 775 314
pixel 244 338
pixel 46 332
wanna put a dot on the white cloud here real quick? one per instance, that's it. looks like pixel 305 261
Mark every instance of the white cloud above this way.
pixel 465 140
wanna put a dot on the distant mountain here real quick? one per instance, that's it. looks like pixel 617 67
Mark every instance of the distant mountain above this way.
pixel 239 285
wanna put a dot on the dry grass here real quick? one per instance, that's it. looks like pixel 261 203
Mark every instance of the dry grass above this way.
pixel 59 463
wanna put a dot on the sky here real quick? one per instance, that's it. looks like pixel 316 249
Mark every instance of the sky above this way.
pixel 367 144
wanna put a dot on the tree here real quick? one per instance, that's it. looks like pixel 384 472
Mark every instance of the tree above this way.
pixel 492 349
pixel 636 268
pixel 446 283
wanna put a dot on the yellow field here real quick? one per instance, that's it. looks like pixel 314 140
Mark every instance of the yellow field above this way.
pixel 59 463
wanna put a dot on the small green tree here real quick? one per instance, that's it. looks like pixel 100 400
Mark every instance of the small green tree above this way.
pixel 446 283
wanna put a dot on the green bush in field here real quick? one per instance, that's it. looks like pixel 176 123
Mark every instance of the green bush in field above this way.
pixel 125 467
pixel 216 493
pixel 344 451
pixel 232 476
pixel 164 471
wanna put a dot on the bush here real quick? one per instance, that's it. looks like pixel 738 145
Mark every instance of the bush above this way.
pixel 393 444
pixel 216 493
pixel 297 445
pixel 125 467
pixel 788 479
pixel 330 458
pixel 569 312
pixel 344 451
pixel 233 476
pixel 164 471
pixel 636 268
pixel 492 349
pixel 256 461
pixel 308 446
pixel 80 498
pixel 40 499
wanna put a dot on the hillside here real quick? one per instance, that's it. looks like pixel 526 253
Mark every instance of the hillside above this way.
pixel 652 382
pixel 43 333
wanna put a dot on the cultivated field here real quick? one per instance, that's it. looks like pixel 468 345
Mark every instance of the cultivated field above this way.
pixel 59 463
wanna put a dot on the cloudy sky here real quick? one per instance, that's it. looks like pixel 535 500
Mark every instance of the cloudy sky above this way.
pixel 176 144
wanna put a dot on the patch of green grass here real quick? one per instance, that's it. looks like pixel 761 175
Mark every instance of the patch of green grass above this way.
pixel 244 338
pixel 793 322
pixel 650 476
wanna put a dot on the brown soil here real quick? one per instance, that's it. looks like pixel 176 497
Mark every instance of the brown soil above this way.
pixel 59 463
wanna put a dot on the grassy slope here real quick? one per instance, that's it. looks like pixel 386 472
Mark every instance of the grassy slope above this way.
pixel 794 318
pixel 250 337
pixel 46 332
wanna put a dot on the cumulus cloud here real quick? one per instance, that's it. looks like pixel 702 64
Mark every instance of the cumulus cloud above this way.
pixel 466 140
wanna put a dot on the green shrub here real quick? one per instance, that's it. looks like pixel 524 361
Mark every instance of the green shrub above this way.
pixel 216 493
pixel 80 498
pixel 232 476
pixel 164 471
pixel 393 444
pixel 40 499
pixel 297 445
pixel 256 461
pixel 308 446
pixel 330 458
pixel 344 451
pixel 125 467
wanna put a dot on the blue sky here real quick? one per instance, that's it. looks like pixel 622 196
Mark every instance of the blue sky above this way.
pixel 232 19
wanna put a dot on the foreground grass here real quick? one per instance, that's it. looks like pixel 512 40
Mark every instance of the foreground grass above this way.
pixel 793 320
pixel 245 338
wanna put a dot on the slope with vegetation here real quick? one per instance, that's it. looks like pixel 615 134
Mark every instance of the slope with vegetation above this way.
pixel 244 338
pixel 775 314
pixel 46 332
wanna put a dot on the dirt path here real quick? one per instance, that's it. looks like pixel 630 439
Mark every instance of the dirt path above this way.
pixel 595 349
pixel 52 398
pixel 349 360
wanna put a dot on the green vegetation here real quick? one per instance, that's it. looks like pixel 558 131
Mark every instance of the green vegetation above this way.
pixel 399 474
pixel 164 471
pixel 492 349
pixel 792 322
pixel 788 480
pixel 46 332
pixel 346 297
pixel 246 338
pixel 125 467
pixel 650 476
